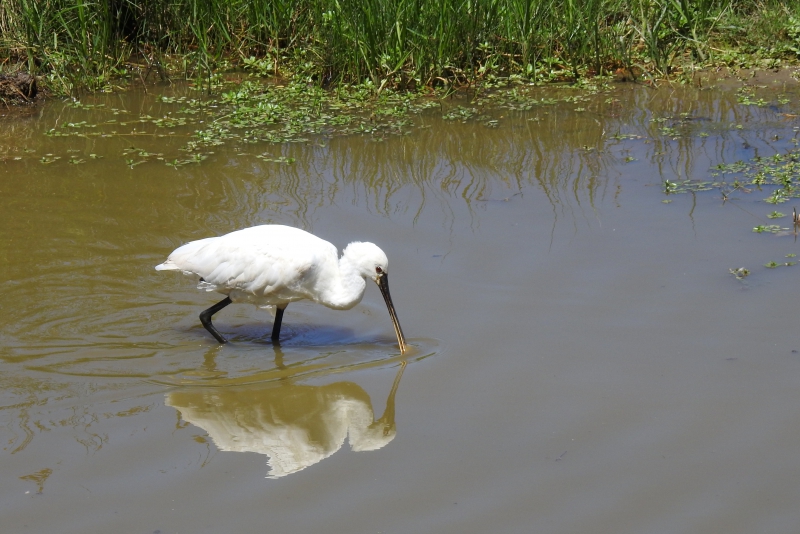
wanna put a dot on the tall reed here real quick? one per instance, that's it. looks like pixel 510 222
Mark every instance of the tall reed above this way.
pixel 83 43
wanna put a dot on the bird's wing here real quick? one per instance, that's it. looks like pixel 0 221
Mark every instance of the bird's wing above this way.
pixel 276 260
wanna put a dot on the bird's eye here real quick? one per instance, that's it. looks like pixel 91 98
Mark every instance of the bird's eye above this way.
pixel 378 270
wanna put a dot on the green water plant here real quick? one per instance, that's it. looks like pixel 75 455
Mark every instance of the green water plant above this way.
pixel 779 172
pixel 740 273
pixel 246 112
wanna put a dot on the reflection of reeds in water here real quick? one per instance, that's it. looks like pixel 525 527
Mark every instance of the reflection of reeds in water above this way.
pixel 569 150
pixel 295 425
pixel 447 166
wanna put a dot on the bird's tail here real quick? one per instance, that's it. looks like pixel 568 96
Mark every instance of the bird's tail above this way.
pixel 167 266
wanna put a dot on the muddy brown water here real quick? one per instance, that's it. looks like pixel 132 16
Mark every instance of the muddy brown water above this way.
pixel 582 359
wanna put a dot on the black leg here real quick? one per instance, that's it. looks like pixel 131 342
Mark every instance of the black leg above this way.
pixel 276 326
pixel 205 318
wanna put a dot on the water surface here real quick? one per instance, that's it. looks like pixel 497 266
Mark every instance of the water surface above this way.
pixel 582 359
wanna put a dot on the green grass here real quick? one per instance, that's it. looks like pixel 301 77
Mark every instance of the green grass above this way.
pixel 405 44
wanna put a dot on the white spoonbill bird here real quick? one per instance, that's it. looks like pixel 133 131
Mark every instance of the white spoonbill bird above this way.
pixel 273 265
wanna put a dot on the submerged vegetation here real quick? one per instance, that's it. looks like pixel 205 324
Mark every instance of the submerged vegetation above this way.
pixel 404 44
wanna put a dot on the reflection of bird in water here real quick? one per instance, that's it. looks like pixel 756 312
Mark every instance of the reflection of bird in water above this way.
pixel 273 265
pixel 295 425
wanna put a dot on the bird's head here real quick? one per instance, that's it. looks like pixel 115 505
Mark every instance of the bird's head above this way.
pixel 370 262
pixel 369 259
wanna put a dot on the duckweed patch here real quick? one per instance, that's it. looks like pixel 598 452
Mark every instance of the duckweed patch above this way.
pixel 770 228
pixel 741 273
pixel 777 175
pixel 251 113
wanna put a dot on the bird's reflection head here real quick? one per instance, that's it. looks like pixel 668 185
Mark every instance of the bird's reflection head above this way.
pixel 374 437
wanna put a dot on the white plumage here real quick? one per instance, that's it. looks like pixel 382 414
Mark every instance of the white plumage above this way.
pixel 273 265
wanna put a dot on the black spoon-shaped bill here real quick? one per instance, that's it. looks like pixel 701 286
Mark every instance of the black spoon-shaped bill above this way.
pixel 383 284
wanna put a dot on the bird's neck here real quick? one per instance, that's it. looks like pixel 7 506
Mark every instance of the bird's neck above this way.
pixel 346 289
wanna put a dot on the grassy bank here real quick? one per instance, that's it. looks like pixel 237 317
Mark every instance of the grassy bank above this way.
pixel 84 44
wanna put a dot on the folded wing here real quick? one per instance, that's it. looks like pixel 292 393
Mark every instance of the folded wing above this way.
pixel 264 264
